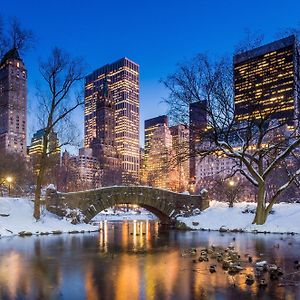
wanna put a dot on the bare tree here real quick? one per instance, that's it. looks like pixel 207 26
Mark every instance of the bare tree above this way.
pixel 62 75
pixel 14 36
pixel 258 144
pixel 251 40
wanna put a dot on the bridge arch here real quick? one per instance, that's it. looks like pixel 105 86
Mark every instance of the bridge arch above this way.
pixel 166 205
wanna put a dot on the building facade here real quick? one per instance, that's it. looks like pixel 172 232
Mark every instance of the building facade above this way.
pixel 80 172
pixel 35 151
pixel 13 103
pixel 267 82
pixel 104 144
pixel 180 145
pixel 159 171
pixel 197 124
pixel 150 126
pixel 123 78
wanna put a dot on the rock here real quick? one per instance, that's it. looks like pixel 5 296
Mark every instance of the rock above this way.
pixel 4 215
pixel 261 263
pixel 45 233
pixel 223 229
pixel 195 223
pixel 56 232
pixel 212 268
pixel 262 283
pixel 25 233
pixel 249 279
pixel 272 268
pixel 234 269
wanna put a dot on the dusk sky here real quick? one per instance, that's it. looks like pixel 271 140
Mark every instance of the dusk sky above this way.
pixel 155 34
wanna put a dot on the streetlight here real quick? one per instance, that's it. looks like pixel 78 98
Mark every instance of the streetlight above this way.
pixel 9 181
pixel 231 183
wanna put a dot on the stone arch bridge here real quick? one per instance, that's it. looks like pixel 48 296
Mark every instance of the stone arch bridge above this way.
pixel 166 205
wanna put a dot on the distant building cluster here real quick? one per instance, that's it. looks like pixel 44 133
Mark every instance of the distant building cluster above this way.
pixel 267 76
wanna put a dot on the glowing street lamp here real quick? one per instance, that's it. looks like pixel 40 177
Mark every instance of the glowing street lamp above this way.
pixel 9 180
pixel 231 183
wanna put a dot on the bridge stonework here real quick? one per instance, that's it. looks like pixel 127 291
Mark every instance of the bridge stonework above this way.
pixel 166 205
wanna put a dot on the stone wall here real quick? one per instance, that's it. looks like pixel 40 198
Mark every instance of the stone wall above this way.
pixel 164 204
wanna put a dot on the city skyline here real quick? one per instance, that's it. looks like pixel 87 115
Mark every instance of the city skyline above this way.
pixel 156 62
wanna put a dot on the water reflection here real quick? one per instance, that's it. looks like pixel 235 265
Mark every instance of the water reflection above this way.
pixel 135 260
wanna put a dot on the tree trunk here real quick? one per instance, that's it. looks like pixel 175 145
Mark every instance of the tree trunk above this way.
pixel 39 181
pixel 37 198
pixel 260 214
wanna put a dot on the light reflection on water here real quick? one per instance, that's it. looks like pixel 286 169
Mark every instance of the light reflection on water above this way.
pixel 135 260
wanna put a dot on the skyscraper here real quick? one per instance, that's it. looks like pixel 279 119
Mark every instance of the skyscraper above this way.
pixel 35 151
pixel 158 169
pixel 123 78
pixel 180 144
pixel 267 81
pixel 150 126
pixel 104 144
pixel 13 102
pixel 198 123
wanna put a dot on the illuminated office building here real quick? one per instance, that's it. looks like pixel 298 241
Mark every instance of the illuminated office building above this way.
pixel 158 171
pixel 35 151
pixel 180 144
pixel 104 144
pixel 150 126
pixel 123 78
pixel 266 81
pixel 13 102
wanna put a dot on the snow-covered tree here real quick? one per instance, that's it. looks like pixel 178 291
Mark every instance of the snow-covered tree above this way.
pixel 259 145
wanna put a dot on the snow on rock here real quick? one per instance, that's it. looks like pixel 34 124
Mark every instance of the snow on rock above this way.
pixel 111 214
pixel 16 216
pixel 285 219
pixel 185 193
pixel 51 187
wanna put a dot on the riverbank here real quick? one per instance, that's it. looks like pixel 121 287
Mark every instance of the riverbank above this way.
pixel 16 219
pixel 285 218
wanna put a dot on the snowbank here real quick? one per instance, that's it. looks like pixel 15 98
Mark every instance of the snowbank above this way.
pixel 16 216
pixel 285 219
pixel 119 215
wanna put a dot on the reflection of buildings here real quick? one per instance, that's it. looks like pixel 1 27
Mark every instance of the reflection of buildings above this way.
pixel 267 81
pixel 116 86
pixel 13 101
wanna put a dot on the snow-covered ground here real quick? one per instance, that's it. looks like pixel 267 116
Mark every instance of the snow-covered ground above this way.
pixel 119 215
pixel 16 216
pixel 285 219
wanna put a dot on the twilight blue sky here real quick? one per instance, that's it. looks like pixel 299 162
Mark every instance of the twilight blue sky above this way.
pixel 157 34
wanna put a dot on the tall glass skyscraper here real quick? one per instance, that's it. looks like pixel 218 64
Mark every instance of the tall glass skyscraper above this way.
pixel 267 81
pixel 123 77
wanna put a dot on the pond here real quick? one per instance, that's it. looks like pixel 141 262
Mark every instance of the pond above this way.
pixel 140 260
